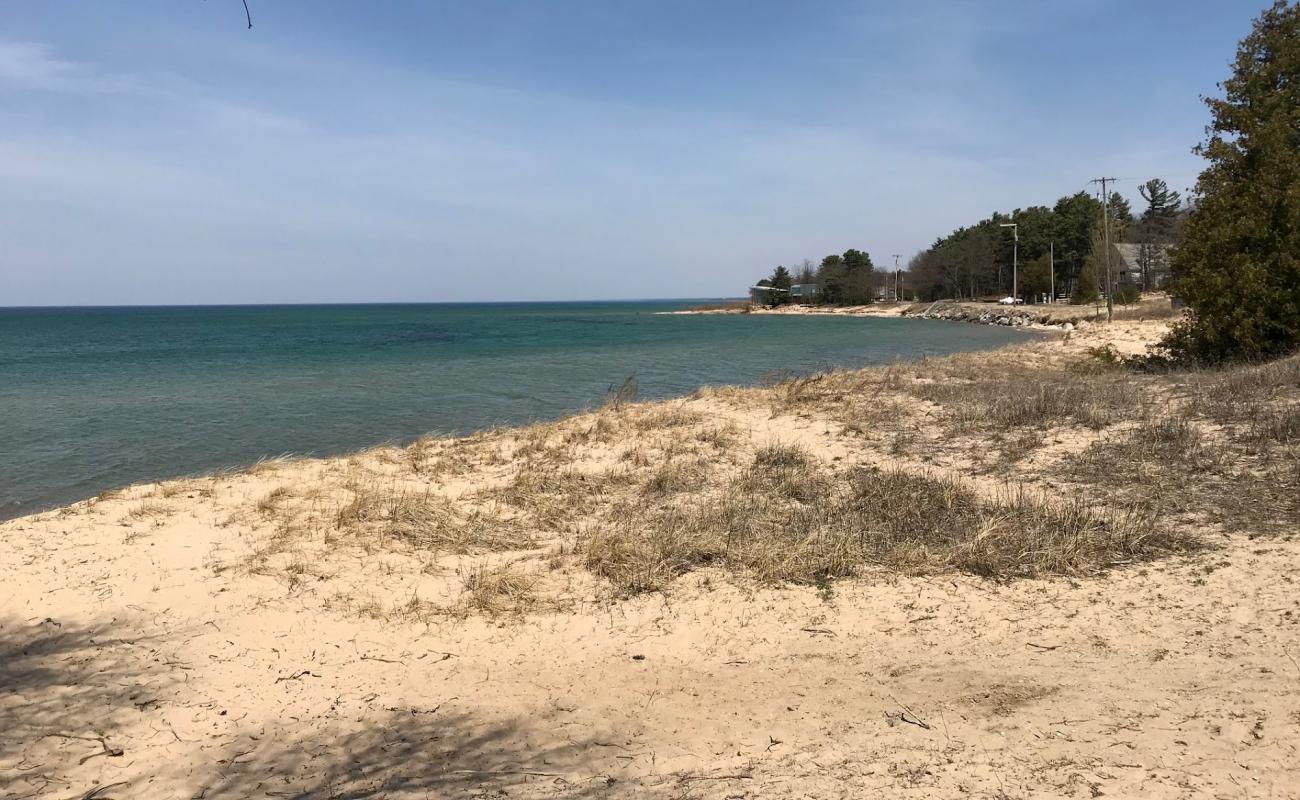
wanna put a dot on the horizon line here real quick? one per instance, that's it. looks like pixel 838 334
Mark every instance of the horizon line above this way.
pixel 334 303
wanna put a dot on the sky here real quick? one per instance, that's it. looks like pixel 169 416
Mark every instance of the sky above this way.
pixel 159 152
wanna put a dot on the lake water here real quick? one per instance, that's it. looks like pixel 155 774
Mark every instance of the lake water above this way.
pixel 92 398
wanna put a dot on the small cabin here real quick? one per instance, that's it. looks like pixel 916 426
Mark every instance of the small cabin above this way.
pixel 804 292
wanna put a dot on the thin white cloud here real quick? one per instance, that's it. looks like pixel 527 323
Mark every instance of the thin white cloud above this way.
pixel 33 65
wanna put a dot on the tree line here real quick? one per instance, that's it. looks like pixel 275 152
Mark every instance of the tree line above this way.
pixel 840 279
pixel 977 260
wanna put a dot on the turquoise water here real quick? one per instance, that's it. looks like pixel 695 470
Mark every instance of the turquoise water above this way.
pixel 92 398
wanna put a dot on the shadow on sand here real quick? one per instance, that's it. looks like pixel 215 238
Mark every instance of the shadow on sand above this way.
pixel 442 754
pixel 66 690
pixel 84 714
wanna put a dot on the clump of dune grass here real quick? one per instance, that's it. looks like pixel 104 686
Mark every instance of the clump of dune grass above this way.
pixel 172 489
pixel 676 475
pixel 426 521
pixel 148 510
pixel 265 465
pixel 832 390
pixel 271 503
pixel 719 437
pixel 784 471
pixel 602 428
pixel 1221 389
pixel 945 526
pixel 1274 425
pixel 1033 399
pixel 430 455
pixel 865 520
pixel 553 498
pixel 660 417
pixel 504 588
pixel 622 394
pixel 1175 469
pixel 1166 447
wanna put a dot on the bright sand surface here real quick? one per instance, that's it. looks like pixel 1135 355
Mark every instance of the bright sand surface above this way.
pixel 163 642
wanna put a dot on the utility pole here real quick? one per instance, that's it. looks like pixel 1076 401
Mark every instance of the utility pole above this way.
pixel 897 274
pixel 1051 297
pixel 1105 226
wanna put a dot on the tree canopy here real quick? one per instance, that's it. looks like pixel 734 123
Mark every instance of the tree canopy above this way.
pixel 976 261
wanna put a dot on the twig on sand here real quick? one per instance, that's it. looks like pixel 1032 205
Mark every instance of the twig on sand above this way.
pixel 1043 646
pixel 297 676
pixel 506 772
pixel 110 750
pixel 907 715
pixel 737 777
pixel 381 658
pixel 1293 661
pixel 97 793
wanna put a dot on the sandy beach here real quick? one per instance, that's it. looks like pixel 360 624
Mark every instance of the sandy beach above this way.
pixel 456 618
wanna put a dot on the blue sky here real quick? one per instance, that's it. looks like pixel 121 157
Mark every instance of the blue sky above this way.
pixel 156 151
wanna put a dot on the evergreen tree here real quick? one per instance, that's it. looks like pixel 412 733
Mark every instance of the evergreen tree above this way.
pixel 859 278
pixel 1239 264
pixel 1036 276
pixel 830 279
pixel 1085 288
pixel 1096 265
pixel 855 260
pixel 1121 215
pixel 1162 204
pixel 781 281
pixel 1157 228
pixel 1076 217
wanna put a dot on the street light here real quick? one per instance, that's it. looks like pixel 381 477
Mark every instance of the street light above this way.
pixel 1015 257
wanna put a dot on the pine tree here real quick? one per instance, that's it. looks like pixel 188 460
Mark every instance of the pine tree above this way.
pixel 781 281
pixel 1239 264
pixel 1085 288
pixel 1162 204
pixel 1121 215
pixel 1036 276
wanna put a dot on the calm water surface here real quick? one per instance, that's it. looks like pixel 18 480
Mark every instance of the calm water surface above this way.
pixel 96 398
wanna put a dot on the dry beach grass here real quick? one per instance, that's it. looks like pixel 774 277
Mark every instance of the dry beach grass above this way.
pixel 1018 573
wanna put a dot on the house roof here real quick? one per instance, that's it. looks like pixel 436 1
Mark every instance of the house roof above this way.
pixel 1131 253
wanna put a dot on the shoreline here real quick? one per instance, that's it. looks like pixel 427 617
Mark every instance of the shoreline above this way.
pixel 450 403
pixel 1050 317
pixel 537 610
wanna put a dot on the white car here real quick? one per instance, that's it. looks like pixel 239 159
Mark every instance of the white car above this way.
pixel 1010 301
